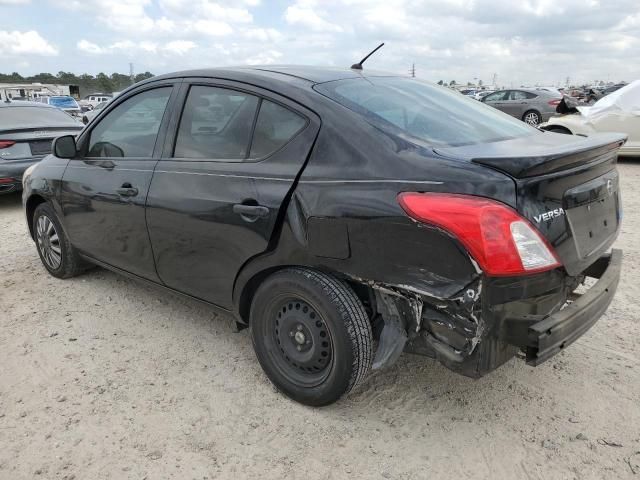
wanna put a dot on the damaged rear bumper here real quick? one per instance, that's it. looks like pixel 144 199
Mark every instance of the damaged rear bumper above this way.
pixel 541 337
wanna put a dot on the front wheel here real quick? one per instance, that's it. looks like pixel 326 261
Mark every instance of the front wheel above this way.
pixel 311 335
pixel 57 254
pixel 532 118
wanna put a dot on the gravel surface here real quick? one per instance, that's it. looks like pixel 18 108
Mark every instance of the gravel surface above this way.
pixel 103 377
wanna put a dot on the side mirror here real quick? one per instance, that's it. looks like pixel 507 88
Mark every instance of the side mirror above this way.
pixel 65 147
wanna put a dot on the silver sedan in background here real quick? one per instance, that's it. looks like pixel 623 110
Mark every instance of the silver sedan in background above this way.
pixel 26 132
pixel 529 105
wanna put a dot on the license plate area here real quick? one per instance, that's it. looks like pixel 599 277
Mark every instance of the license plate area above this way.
pixel 592 212
pixel 40 147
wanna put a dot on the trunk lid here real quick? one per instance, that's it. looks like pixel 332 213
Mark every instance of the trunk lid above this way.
pixel 30 143
pixel 567 187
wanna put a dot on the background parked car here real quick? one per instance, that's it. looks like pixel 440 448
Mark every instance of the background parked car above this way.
pixel 530 106
pixel 617 112
pixel 94 99
pixel 613 88
pixel 26 132
pixel 88 116
pixel 63 102
pixel 482 93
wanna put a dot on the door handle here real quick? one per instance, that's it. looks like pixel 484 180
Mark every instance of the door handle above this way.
pixel 250 212
pixel 127 190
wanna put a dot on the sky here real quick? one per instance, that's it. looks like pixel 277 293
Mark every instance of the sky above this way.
pixel 520 41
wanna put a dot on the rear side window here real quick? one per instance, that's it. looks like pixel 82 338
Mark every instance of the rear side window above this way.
pixel 421 111
pixel 131 128
pixel 494 97
pixel 520 95
pixel 216 124
pixel 275 126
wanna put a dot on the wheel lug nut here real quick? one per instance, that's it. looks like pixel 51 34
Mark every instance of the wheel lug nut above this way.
pixel 299 347
pixel 291 334
pixel 299 327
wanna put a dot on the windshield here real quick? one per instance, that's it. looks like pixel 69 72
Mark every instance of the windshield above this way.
pixel 63 102
pixel 34 117
pixel 434 114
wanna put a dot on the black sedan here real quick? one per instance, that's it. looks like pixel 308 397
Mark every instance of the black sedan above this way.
pixel 329 208
pixel 26 132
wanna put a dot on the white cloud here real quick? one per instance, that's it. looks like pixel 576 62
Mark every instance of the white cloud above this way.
pixel 179 47
pixel 265 57
pixel 25 43
pixel 15 2
pixel 210 27
pixel 119 15
pixel 263 34
pixel 129 47
pixel 89 47
pixel 304 13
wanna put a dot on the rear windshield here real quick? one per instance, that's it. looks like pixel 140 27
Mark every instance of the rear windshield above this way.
pixel 434 114
pixel 63 102
pixel 12 118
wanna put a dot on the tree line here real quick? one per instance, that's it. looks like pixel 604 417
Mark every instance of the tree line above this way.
pixel 87 83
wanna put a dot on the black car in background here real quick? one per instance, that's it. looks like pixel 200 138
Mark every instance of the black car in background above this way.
pixel 26 132
pixel 328 208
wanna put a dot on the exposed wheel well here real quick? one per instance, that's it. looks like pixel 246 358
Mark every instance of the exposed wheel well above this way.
pixel 558 129
pixel 250 288
pixel 32 204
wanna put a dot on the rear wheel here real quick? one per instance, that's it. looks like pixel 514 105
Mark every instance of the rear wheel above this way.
pixel 56 253
pixel 311 335
pixel 532 117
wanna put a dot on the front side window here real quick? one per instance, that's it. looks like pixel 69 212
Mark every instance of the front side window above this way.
pixel 496 97
pixel 216 123
pixel 421 111
pixel 131 128
pixel 275 126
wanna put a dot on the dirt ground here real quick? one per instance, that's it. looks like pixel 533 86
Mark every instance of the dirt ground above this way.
pixel 102 377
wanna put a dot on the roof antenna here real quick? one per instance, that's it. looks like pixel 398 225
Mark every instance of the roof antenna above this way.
pixel 358 66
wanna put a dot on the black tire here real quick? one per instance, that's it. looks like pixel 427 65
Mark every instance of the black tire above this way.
pixel 311 335
pixel 532 117
pixel 70 263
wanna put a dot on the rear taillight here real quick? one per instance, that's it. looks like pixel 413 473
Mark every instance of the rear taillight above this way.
pixel 554 103
pixel 7 143
pixel 5 180
pixel 497 237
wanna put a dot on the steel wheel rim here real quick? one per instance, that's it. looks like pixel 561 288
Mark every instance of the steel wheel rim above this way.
pixel 532 118
pixel 48 242
pixel 302 347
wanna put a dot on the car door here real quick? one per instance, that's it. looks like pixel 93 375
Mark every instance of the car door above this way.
pixel 104 189
pixel 230 159
pixel 497 99
pixel 518 103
